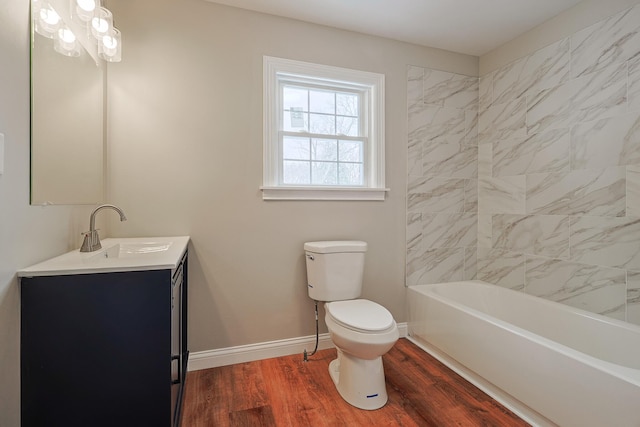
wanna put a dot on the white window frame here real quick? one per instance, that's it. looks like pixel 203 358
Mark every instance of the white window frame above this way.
pixel 278 71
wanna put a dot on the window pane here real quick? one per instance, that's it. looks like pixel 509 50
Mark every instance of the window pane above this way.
pixel 295 121
pixel 324 173
pixel 324 149
pixel 348 126
pixel 295 98
pixel 347 104
pixel 351 174
pixel 320 123
pixel 351 151
pixel 322 102
pixel 296 172
pixel 295 148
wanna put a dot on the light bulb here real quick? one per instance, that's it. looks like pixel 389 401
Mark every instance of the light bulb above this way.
pixel 102 23
pixel 49 16
pixel 65 43
pixel 85 10
pixel 47 22
pixel 110 43
pixel 86 5
pixel 110 47
pixel 66 35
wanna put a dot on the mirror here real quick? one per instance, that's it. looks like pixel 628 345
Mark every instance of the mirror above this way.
pixel 67 126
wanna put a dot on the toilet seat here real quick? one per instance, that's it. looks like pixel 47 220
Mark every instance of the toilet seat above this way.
pixel 360 315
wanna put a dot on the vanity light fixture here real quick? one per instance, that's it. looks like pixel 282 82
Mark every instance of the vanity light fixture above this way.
pixel 82 19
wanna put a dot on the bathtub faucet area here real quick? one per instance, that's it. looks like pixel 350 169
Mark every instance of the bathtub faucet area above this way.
pixel 91 240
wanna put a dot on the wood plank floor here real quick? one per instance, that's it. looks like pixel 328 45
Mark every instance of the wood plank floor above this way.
pixel 286 391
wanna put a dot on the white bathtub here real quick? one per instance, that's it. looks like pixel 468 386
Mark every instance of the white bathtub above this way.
pixel 548 362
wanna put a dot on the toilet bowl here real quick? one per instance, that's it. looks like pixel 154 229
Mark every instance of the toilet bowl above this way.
pixel 361 330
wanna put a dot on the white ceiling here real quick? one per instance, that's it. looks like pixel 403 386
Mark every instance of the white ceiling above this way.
pixel 474 27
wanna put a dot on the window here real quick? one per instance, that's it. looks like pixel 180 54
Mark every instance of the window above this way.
pixel 323 132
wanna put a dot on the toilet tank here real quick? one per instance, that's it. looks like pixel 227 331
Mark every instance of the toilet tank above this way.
pixel 334 269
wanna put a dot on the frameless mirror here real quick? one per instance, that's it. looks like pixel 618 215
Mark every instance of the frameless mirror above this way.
pixel 67 126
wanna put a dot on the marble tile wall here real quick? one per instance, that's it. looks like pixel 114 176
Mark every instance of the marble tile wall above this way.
pixel 543 165
pixel 558 179
pixel 442 191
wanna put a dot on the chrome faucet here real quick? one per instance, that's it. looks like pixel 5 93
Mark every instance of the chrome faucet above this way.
pixel 91 238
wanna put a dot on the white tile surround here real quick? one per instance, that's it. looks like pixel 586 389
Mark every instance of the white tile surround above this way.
pixel 529 177
pixel 442 188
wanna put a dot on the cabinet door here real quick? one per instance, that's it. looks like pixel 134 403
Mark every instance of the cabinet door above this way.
pixel 95 349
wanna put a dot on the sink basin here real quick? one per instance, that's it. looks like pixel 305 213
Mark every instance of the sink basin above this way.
pixel 131 250
pixel 117 254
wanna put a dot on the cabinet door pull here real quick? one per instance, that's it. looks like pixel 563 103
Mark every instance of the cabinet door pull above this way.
pixel 178 380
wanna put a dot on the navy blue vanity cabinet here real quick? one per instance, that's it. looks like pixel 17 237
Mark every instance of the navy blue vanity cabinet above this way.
pixel 104 349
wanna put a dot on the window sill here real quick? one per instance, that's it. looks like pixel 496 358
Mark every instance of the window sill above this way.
pixel 323 193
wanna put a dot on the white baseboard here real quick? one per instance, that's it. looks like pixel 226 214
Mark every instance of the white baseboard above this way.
pixel 248 353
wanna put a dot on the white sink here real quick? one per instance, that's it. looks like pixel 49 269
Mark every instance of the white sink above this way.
pixel 130 250
pixel 126 254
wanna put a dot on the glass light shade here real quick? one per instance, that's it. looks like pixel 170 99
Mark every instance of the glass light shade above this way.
pixel 84 10
pixel 102 24
pixel 66 43
pixel 47 22
pixel 110 48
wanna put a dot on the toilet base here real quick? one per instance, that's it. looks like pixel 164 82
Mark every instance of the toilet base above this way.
pixel 360 382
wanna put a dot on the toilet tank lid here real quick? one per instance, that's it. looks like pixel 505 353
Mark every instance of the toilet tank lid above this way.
pixel 335 246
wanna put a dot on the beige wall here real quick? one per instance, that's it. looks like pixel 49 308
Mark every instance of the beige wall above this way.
pixel 563 25
pixel 27 234
pixel 186 150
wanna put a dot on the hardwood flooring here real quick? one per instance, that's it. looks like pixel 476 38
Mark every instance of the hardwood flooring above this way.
pixel 286 391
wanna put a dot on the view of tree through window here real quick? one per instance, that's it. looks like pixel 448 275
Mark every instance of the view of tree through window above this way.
pixel 322 141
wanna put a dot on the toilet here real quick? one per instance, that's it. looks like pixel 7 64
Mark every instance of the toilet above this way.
pixel 361 330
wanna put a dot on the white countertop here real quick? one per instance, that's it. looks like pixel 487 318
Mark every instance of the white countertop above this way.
pixel 116 255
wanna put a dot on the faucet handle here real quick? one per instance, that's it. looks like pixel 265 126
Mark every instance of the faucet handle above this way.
pixel 91 241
